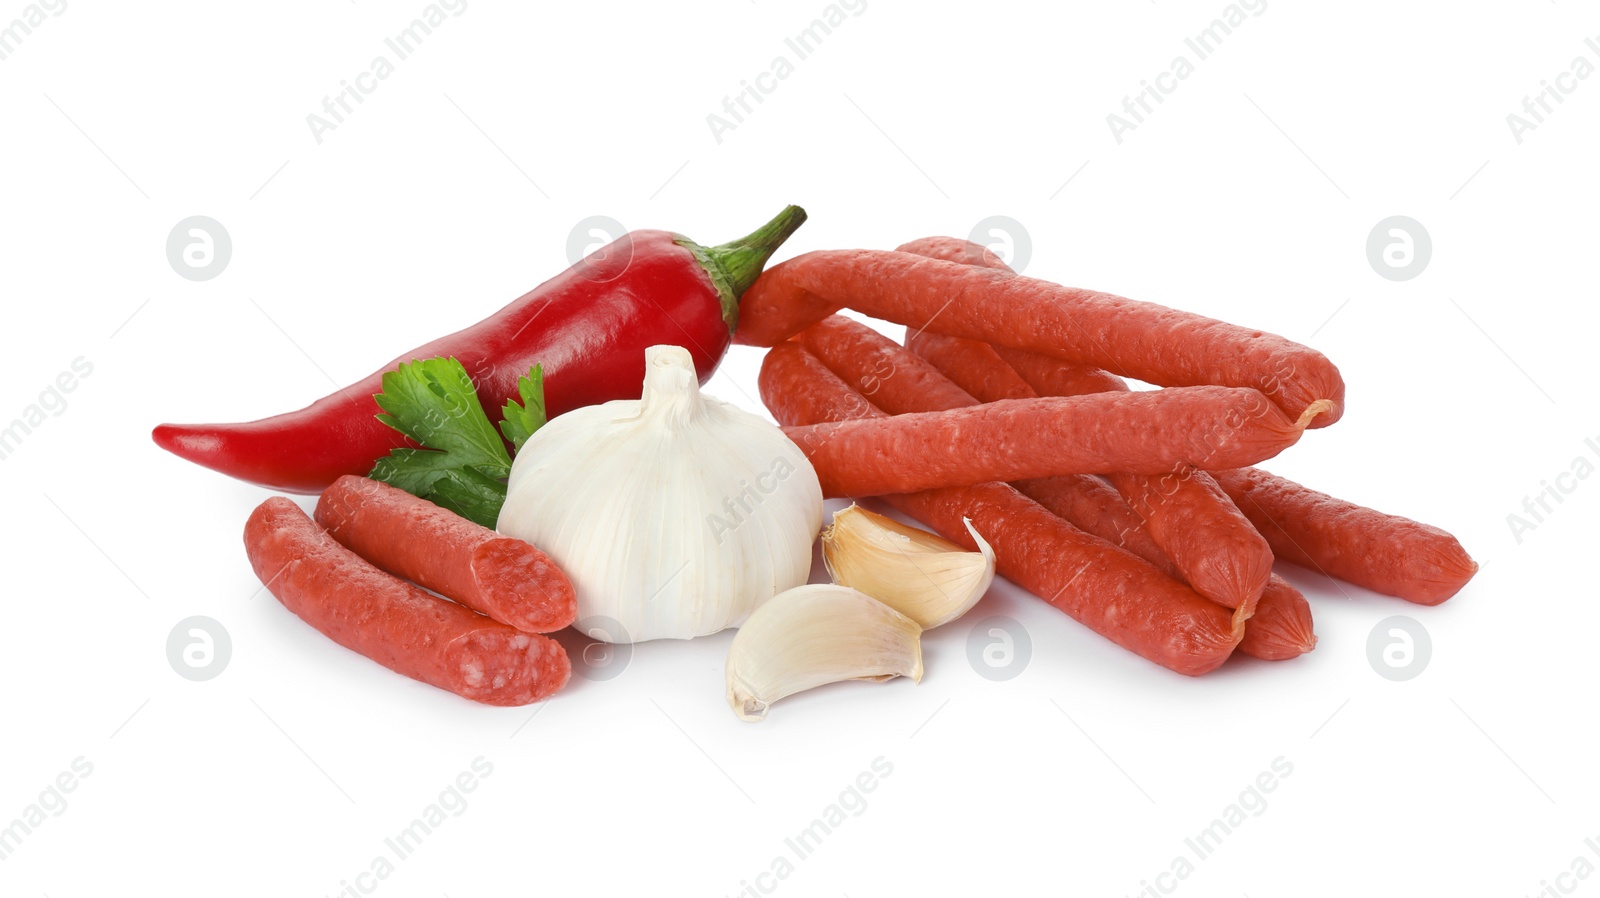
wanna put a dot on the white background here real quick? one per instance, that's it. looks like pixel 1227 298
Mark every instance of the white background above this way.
pixel 1248 196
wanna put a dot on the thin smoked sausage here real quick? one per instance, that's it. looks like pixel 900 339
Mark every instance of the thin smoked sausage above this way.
pixel 1111 591
pixel 416 540
pixel 396 624
pixel 1153 343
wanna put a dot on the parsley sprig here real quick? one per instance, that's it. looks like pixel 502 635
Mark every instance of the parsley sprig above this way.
pixel 464 463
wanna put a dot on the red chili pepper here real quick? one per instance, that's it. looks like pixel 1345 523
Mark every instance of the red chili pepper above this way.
pixel 588 327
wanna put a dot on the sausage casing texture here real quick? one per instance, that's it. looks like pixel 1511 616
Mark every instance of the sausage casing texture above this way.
pixel 414 539
pixel 972 365
pixel 881 370
pixel 1106 588
pixel 1215 547
pixel 903 382
pixel 1280 624
pixel 1383 552
pixel 1281 628
pixel 1150 432
pixel 1050 376
pixel 1150 342
pixel 396 624
pixel 1224 559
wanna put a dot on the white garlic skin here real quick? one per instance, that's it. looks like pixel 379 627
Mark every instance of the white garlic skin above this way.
pixel 674 515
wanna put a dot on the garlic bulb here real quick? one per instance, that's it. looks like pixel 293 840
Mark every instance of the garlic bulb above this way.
pixel 674 515
pixel 814 635
pixel 925 577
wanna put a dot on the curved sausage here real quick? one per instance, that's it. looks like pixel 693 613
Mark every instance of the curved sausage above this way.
pixel 1109 590
pixel 1049 376
pixel 973 366
pixel 1090 504
pixel 1383 552
pixel 1280 625
pixel 1153 343
pixel 904 382
pixel 1149 432
pixel 883 372
pixel 1198 521
pixel 1215 547
pixel 954 249
pixel 393 622
pixel 1281 628
pixel 416 540
pixel 1198 526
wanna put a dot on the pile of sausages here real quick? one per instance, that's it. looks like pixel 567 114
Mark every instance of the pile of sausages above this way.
pixel 346 574
pixel 1135 512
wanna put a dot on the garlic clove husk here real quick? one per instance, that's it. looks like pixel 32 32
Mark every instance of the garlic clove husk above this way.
pixel 810 636
pixel 925 577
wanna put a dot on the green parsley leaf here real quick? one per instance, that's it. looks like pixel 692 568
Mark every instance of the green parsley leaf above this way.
pixel 471 494
pixel 522 420
pixel 434 402
pixel 464 464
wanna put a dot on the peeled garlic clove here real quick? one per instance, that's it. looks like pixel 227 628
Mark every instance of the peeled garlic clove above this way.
pixel 927 578
pixel 810 636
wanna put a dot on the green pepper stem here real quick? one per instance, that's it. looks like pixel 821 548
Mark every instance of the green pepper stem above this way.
pixel 735 265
